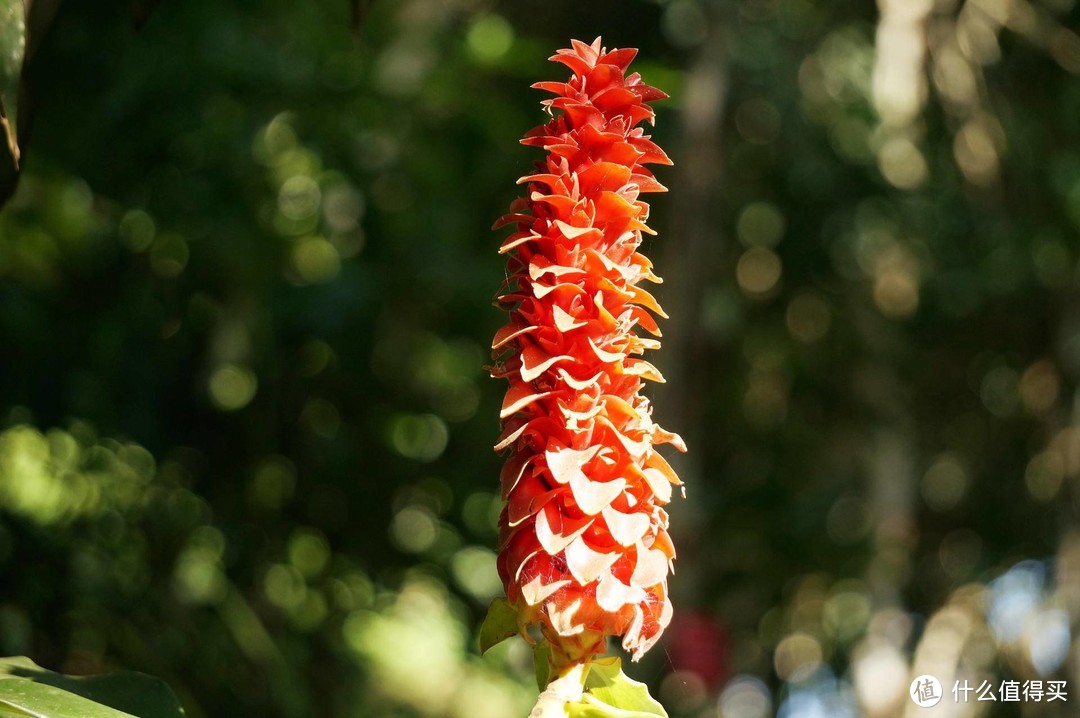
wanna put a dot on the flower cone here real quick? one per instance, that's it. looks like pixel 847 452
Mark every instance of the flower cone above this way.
pixel 584 546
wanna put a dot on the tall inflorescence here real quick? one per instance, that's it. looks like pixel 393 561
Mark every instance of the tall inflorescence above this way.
pixel 584 547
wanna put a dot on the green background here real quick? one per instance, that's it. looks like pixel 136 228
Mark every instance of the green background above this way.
pixel 245 299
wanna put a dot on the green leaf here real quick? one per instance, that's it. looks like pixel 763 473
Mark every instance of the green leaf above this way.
pixel 45 701
pixel 591 707
pixel 609 684
pixel 7 712
pixel 541 654
pixel 12 713
pixel 609 693
pixel 499 624
pixel 26 689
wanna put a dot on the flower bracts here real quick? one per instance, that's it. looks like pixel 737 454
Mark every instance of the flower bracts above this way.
pixel 584 547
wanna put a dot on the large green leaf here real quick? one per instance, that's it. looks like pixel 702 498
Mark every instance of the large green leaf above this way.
pixel 27 689
pixel 45 701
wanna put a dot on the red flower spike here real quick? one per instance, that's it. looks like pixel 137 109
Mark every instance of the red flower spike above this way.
pixel 584 547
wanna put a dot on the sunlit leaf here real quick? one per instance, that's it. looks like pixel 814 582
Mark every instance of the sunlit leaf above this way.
pixel 499 624
pixel 45 701
pixel 591 707
pixel 28 689
pixel 609 693
pixel 606 682
pixel 12 713
pixel 598 689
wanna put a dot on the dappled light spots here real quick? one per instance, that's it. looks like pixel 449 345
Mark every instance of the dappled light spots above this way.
pixel 489 38
pixel 808 317
pixel 232 387
pixel 474 570
pixel 902 164
pixel 272 483
pixel 137 229
pixel 309 551
pixel 945 483
pixel 422 437
pixel 758 271
pixel 684 23
pixel 199 576
pixel 315 260
pixel 414 529
pixel 169 255
pixel 299 198
pixel 959 553
pixel 758 121
pixel 1044 475
pixel 419 634
pixel 760 224
pixel 797 656
pixel 745 697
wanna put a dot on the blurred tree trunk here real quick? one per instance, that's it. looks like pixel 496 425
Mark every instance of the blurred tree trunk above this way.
pixel 690 257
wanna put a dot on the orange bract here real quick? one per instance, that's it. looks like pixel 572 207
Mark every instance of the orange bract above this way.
pixel 584 547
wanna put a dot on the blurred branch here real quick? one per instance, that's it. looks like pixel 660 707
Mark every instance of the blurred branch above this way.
pixel 693 252
pixel 690 258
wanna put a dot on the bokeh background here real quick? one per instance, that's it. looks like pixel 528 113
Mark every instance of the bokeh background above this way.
pixel 245 298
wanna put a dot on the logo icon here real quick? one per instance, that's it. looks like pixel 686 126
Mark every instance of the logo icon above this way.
pixel 925 691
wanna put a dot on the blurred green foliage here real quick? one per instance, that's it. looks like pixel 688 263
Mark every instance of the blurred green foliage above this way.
pixel 244 303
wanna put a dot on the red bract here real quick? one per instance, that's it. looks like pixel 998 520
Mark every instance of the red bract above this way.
pixel 584 547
